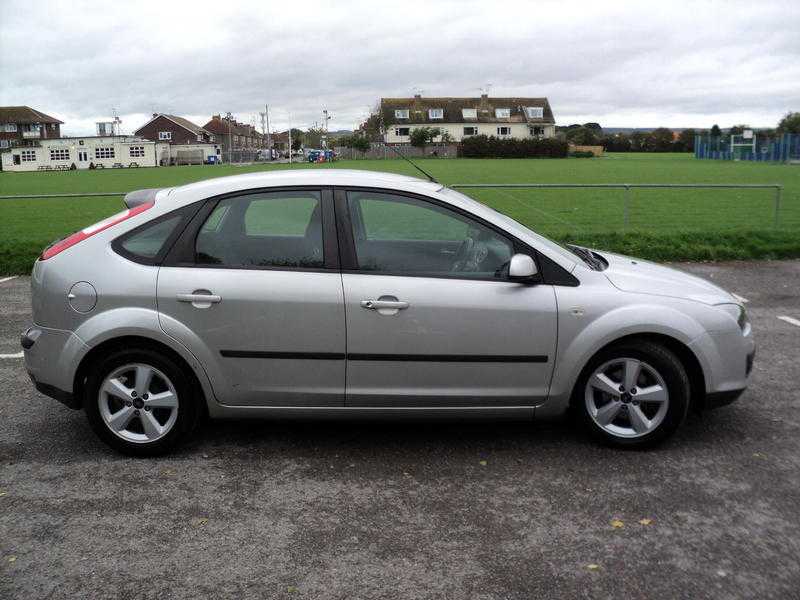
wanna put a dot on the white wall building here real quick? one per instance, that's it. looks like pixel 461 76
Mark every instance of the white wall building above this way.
pixel 102 152
pixel 463 117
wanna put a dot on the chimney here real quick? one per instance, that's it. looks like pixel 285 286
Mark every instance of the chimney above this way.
pixel 484 100
pixel 155 115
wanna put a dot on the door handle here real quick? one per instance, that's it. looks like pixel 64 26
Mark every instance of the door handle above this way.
pixel 384 304
pixel 199 298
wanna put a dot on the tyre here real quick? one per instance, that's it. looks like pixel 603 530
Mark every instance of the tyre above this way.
pixel 633 394
pixel 140 402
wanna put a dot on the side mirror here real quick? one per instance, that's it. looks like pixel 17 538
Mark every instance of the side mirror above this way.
pixel 522 268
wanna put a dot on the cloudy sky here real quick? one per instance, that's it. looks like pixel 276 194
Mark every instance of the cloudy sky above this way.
pixel 623 64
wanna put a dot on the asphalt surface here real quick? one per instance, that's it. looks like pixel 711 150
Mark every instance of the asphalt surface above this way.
pixel 446 510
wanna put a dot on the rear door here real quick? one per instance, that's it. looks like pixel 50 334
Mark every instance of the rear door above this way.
pixel 253 289
pixel 432 319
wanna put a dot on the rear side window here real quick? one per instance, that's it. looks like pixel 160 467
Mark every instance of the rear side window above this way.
pixel 147 242
pixel 275 229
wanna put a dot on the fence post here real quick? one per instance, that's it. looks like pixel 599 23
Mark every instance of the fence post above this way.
pixel 777 206
pixel 627 206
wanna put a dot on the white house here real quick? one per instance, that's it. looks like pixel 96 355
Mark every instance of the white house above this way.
pixel 101 151
pixel 462 117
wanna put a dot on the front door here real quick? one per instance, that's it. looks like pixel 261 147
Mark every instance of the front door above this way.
pixel 432 319
pixel 253 289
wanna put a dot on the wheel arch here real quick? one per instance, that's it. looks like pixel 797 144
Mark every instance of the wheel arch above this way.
pixel 135 341
pixel 683 352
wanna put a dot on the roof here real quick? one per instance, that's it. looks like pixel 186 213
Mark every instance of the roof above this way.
pixel 25 114
pixel 223 126
pixel 485 106
pixel 180 121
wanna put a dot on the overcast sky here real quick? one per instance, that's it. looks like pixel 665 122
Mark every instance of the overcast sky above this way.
pixel 623 64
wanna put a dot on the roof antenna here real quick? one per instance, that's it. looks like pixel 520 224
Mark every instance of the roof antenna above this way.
pixel 430 177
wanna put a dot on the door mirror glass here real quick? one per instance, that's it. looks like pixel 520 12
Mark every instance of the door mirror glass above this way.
pixel 522 268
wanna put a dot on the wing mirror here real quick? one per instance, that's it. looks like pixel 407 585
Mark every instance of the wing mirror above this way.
pixel 522 268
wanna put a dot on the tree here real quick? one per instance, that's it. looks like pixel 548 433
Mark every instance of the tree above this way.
pixel 686 140
pixel 790 123
pixel 422 136
pixel 582 136
pixel 313 137
pixel 594 127
pixel 297 139
pixel 373 126
pixel 738 129
pixel 715 131
pixel 355 142
pixel 445 137
pixel 660 140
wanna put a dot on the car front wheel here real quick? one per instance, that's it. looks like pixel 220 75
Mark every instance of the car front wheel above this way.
pixel 633 394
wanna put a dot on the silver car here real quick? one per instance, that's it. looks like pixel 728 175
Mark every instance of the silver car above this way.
pixel 334 293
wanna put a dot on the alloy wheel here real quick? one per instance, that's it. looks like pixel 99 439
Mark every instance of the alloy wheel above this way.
pixel 627 398
pixel 138 403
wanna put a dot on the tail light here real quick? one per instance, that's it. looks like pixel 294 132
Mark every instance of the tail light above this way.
pixel 79 236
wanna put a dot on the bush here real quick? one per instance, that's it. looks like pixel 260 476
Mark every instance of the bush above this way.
pixel 582 154
pixel 481 146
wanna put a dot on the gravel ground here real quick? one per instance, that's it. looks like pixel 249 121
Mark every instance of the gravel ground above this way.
pixel 445 510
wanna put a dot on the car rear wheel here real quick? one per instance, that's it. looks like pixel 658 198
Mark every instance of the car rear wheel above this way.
pixel 633 394
pixel 140 402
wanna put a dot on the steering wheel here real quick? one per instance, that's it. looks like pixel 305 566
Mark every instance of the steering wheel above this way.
pixel 462 254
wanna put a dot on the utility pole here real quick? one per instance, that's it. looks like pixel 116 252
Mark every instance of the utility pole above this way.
pixel 269 140
pixel 290 138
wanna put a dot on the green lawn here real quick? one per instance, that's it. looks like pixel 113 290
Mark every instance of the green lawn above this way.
pixel 661 224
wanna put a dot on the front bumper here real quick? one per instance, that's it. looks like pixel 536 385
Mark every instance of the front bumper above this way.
pixel 51 360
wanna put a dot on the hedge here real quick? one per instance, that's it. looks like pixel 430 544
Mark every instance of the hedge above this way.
pixel 481 146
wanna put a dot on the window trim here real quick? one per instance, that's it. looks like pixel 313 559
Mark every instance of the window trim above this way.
pixel 189 211
pixel 439 111
pixel 347 247
pixel 474 129
pixel 182 254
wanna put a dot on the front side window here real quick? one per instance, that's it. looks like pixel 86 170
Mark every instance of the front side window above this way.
pixel 276 229
pixel 407 236
pixel 436 113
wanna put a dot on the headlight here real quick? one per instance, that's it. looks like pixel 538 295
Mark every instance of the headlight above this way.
pixel 738 312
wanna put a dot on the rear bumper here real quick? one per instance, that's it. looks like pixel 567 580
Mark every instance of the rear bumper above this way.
pixel 50 359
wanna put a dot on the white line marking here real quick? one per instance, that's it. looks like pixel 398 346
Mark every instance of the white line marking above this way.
pixel 741 299
pixel 20 354
pixel 4 279
pixel 790 320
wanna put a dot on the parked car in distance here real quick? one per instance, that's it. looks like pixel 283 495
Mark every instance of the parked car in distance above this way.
pixel 337 293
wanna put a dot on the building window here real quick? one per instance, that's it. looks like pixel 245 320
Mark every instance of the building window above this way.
pixel 59 154
pixel 53 126
pixel 28 156
pixel 3 143
pixel 469 113
pixel 199 137
pixel 402 131
pixel 165 135
pixel 470 131
pixel 401 114
pixel 504 131
pixel 534 112
pixel 537 130
pixel 104 152
pixel 136 151
pixel 11 127
pixel 211 139
pixel 436 113
pixel 502 113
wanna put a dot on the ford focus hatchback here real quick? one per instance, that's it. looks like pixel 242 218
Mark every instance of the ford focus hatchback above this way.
pixel 345 293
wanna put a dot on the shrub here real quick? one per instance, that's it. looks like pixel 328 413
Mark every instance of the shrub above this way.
pixel 481 146
pixel 582 154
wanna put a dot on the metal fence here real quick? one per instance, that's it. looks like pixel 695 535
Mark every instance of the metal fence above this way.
pixel 555 208
pixel 757 147
pixel 605 207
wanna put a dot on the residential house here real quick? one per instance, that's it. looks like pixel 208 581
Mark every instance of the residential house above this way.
pixel 25 126
pixel 462 117
pixel 232 135
pixel 171 129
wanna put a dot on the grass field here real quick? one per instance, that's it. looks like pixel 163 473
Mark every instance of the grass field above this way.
pixel 662 224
